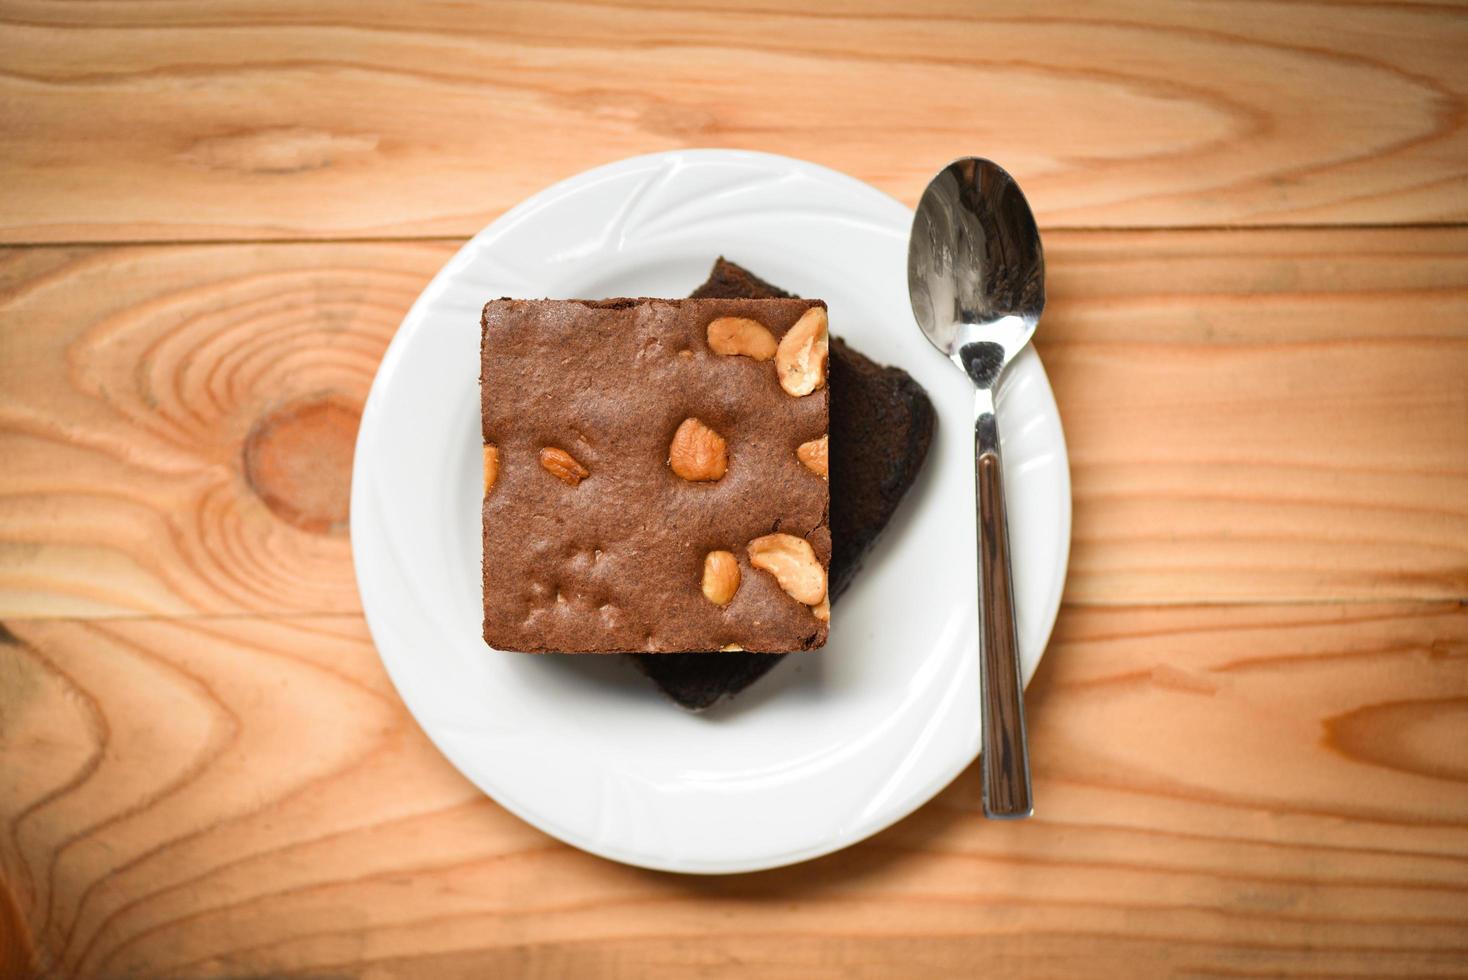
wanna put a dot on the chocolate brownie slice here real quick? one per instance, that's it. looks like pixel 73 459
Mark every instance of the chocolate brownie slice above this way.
pixel 651 478
pixel 882 424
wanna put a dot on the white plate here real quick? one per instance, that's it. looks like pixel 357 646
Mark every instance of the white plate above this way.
pixel 829 747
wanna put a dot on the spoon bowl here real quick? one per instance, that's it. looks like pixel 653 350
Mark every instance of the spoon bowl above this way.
pixel 975 267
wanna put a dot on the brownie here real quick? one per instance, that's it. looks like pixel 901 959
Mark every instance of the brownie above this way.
pixel 630 442
pixel 882 424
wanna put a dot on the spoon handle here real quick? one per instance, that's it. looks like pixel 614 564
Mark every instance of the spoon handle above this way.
pixel 1005 757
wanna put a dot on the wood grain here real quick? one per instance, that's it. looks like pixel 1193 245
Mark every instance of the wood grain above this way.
pixel 1265 417
pixel 1227 791
pixel 1248 732
pixel 1273 416
pixel 260 119
pixel 178 424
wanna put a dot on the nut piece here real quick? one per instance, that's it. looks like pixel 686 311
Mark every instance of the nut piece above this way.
pixel 813 455
pixel 491 466
pixel 793 563
pixel 698 452
pixel 800 361
pixel 562 465
pixel 822 610
pixel 731 648
pixel 730 335
pixel 720 577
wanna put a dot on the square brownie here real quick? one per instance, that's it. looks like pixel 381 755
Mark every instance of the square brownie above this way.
pixel 654 475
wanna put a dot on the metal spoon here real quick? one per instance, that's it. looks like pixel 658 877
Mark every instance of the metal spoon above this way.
pixel 976 277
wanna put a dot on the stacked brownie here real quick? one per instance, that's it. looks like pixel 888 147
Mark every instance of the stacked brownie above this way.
pixel 656 476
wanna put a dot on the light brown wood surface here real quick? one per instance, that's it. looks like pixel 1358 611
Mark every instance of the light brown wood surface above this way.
pixel 1250 731
pixel 270 119
pixel 178 828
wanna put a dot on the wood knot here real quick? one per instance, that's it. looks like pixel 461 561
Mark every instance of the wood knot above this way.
pixel 298 460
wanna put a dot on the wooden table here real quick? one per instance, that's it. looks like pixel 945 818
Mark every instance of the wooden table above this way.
pixel 1250 731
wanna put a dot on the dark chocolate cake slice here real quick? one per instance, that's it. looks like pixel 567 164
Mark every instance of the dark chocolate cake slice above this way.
pixel 881 427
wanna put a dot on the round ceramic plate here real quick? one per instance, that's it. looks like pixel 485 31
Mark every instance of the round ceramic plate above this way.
pixel 829 747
